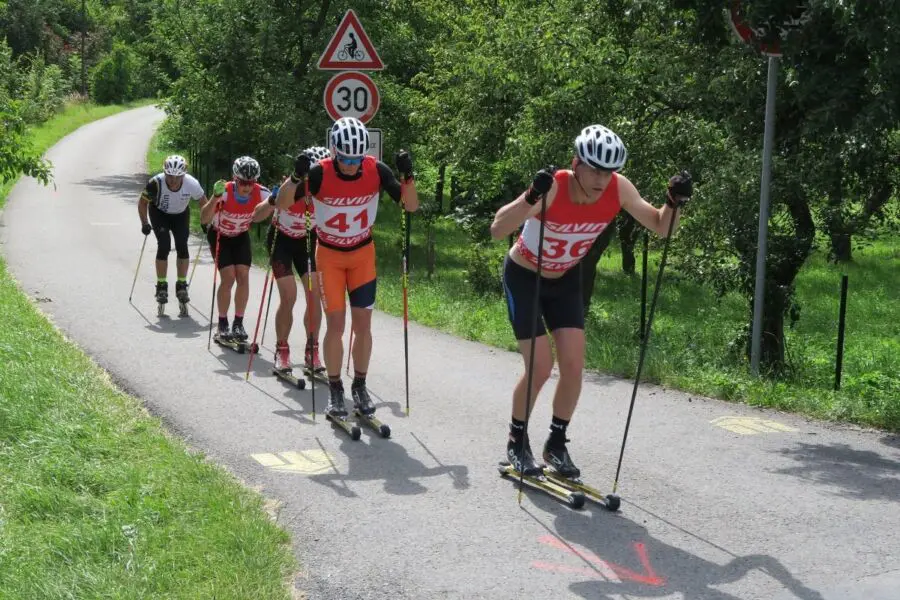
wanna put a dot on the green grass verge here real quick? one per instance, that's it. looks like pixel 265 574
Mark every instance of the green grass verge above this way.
pixel 693 331
pixel 96 501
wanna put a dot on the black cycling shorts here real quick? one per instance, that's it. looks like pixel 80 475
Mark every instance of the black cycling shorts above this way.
pixel 234 251
pixel 289 251
pixel 560 305
pixel 178 224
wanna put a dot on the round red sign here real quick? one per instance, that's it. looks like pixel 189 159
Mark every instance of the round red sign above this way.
pixel 351 94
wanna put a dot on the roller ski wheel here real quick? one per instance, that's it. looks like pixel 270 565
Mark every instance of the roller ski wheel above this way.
pixel 610 502
pixel 573 498
pixel 288 376
pixel 342 423
pixel 232 344
pixel 160 310
pixel 254 348
pixel 183 309
pixel 374 424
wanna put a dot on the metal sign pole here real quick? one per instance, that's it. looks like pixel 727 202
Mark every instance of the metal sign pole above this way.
pixel 759 292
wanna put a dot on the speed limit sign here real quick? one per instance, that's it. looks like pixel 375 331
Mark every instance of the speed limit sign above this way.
pixel 351 94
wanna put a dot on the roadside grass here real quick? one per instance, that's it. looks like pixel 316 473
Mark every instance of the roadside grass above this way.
pixel 692 345
pixel 96 500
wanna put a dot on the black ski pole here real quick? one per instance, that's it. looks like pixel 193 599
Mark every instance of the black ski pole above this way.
pixel 404 223
pixel 534 325
pixel 644 342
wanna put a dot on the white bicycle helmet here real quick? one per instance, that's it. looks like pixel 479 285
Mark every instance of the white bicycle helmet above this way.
pixel 349 137
pixel 246 168
pixel 317 153
pixel 600 148
pixel 175 165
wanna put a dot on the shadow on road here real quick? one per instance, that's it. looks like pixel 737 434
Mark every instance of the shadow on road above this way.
pixel 124 187
pixel 385 460
pixel 860 474
pixel 891 440
pixel 618 558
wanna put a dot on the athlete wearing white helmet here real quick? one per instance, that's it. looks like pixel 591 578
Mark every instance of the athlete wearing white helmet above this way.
pixel 230 215
pixel 345 191
pixel 164 209
pixel 579 204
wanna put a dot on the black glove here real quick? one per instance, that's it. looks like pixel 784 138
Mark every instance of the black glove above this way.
pixel 404 164
pixel 204 228
pixel 146 229
pixel 681 187
pixel 540 185
pixel 301 167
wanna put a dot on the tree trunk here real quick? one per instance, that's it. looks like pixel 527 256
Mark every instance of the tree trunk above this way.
pixel 628 236
pixel 439 188
pixel 788 251
pixel 429 249
pixel 841 246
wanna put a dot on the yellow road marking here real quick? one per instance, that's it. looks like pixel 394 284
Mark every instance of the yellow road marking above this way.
pixel 751 425
pixel 305 462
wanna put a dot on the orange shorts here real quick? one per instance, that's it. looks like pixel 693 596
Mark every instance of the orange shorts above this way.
pixel 344 274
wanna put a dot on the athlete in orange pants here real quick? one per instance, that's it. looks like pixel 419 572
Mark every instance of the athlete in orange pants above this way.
pixel 345 191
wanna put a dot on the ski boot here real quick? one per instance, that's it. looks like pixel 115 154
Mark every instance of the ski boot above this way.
pixel 362 403
pixel 336 407
pixel 238 333
pixel 222 331
pixel 181 292
pixel 521 458
pixel 313 364
pixel 557 456
pixel 162 297
pixel 282 357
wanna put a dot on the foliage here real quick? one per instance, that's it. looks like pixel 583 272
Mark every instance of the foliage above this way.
pixel 113 79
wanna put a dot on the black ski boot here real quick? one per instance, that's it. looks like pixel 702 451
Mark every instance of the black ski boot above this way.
pixel 222 330
pixel 336 406
pixel 361 400
pixel 162 292
pixel 237 332
pixel 181 292
pixel 519 455
pixel 557 456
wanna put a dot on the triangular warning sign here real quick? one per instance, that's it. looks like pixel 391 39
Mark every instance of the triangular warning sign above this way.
pixel 350 48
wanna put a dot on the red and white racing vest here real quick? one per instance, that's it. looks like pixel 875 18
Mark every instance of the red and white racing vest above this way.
pixel 235 218
pixel 346 209
pixel 569 229
pixel 292 222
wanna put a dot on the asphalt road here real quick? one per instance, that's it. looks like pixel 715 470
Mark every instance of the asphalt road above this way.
pixel 720 501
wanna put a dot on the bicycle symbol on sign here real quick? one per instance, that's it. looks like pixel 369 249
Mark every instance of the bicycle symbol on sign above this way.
pixel 350 50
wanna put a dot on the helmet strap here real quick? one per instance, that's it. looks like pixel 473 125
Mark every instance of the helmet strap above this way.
pixel 575 162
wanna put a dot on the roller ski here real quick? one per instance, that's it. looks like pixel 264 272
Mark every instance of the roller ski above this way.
pixel 234 342
pixel 162 297
pixel 283 369
pixel 364 411
pixel 520 464
pixel 336 412
pixel 181 293
pixel 561 471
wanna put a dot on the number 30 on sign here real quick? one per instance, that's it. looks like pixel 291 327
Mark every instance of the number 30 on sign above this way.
pixel 351 94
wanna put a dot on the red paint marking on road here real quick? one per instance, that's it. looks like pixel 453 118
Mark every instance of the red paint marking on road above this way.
pixel 648 577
